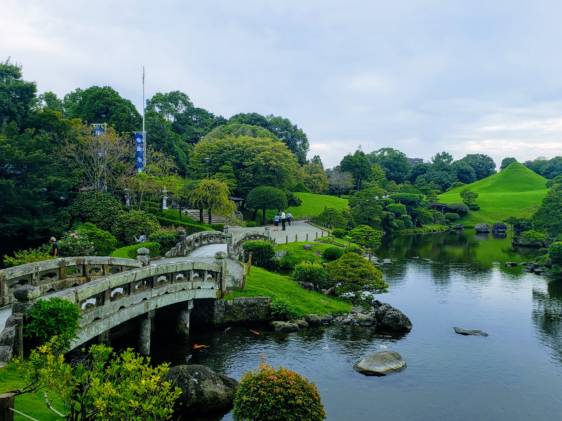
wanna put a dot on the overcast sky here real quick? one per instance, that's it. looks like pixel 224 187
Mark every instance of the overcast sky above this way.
pixel 420 76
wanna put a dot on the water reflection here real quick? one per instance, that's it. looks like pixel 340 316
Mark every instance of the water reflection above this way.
pixel 547 316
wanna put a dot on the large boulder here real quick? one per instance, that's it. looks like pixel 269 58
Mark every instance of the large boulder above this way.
pixel 203 390
pixel 391 319
pixel 380 363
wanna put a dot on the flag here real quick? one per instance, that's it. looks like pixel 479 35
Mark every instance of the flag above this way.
pixel 139 150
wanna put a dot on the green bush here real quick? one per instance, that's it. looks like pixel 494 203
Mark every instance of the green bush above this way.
pixel 398 209
pixel 48 318
pixel 332 218
pixel 354 248
pixel 130 225
pixel 339 232
pixel 166 237
pixel 474 207
pixel 75 244
pixel 263 253
pixel 218 227
pixel 21 257
pixel 277 395
pixel 190 227
pixel 251 224
pixel 314 273
pixel 352 272
pixel 332 253
pixel 407 221
pixel 451 216
pixel 130 252
pixel 104 242
pixel 100 209
pixel 281 311
pixel 555 252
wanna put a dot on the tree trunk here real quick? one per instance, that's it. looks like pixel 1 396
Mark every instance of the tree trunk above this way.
pixel 209 217
pixel 201 216
pixel 263 216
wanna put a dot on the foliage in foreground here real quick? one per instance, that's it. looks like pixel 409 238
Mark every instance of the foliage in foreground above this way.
pixel 282 394
pixel 311 273
pixel 262 251
pixel 21 257
pixel 352 272
pixel 102 385
pixel 49 318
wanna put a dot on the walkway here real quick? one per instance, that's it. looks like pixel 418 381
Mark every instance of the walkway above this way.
pixel 297 231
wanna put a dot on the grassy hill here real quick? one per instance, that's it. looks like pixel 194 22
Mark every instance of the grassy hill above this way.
pixel 313 204
pixel 514 191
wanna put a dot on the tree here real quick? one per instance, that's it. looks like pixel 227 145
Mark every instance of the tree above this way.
pixel 102 384
pixel 359 167
pixel 482 165
pixel 506 162
pixel 16 95
pixel 464 172
pixel 353 273
pixel 442 161
pixel 132 224
pixel 212 195
pixel 266 197
pixel 315 178
pixel 339 182
pixel 255 161
pixel 102 105
pixel 549 216
pixel 48 318
pixel 469 197
pixel 367 237
pixel 49 101
pixel 395 163
pixel 367 206
pixel 239 129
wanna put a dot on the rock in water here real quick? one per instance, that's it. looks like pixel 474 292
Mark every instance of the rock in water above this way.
pixel 391 319
pixel 380 363
pixel 469 332
pixel 203 390
pixel 284 327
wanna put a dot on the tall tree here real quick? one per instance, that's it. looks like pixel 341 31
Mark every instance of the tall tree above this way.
pixel 483 165
pixel 212 195
pixel 549 216
pixel 339 182
pixel 359 167
pixel 507 162
pixel 395 163
pixel 16 95
pixel 266 197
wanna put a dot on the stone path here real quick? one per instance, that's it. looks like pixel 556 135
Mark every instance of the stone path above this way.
pixel 297 231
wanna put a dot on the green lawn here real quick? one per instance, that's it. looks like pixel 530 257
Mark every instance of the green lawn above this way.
pixel 314 204
pixel 130 252
pixel 32 404
pixel 261 283
pixel 516 191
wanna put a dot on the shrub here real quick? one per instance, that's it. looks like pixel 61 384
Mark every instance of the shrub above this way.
pixel 313 273
pixel 132 224
pixel 339 232
pixel 352 272
pixel 281 311
pixel 100 209
pixel 104 242
pixel 332 253
pixel 555 252
pixel 166 237
pixel 474 207
pixel 332 218
pixel 130 252
pixel 262 253
pixel 459 208
pixel 218 227
pixel 407 221
pixel 190 227
pixel 21 257
pixel 75 244
pixel 251 224
pixel 293 199
pixel 277 395
pixel 450 216
pixel 49 318
pixel 397 209
pixel 354 248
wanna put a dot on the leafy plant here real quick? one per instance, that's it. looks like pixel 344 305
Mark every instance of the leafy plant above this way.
pixel 277 395
pixel 262 251
pixel 314 273
pixel 352 272
pixel 281 311
pixel 48 318
pixel 132 224
pixel 555 252
pixel 76 244
pixel 21 257
pixel 166 237
pixel 451 216
pixel 332 253
pixel 104 242
pixel 100 209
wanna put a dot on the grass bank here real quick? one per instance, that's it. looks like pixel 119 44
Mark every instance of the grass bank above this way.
pixel 130 252
pixel 515 191
pixel 314 204
pixel 261 283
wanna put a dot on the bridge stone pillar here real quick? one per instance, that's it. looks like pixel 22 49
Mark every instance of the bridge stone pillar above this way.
pixel 184 318
pixel 145 333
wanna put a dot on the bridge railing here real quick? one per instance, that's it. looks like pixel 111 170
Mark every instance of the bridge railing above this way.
pixel 199 239
pixel 57 274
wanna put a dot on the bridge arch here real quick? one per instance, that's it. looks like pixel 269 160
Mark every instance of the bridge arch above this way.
pixel 194 241
pixel 235 249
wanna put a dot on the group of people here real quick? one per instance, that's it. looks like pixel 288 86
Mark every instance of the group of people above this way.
pixel 283 219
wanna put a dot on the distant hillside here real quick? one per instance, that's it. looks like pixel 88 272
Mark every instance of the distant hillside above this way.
pixel 514 191
pixel 314 204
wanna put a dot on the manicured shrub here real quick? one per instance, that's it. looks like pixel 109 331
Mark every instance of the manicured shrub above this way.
pixel 332 253
pixel 251 224
pixel 132 224
pixel 104 242
pixel 166 237
pixel 21 257
pixel 459 208
pixel 339 232
pixel 332 218
pixel 555 252
pixel 450 216
pixel 48 318
pixel 407 221
pixel 474 207
pixel 277 395
pixel 397 209
pixel 130 252
pixel 351 273
pixel 281 311
pixel 100 209
pixel 354 248
pixel 76 244
pixel 314 273
pixel 263 253
pixel 218 227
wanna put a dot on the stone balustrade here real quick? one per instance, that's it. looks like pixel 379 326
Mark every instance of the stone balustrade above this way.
pixel 199 239
pixel 57 274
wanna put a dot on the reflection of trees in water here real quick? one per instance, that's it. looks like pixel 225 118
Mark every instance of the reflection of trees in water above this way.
pixel 356 339
pixel 547 316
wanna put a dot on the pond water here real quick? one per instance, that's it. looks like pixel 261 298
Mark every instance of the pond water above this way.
pixel 515 373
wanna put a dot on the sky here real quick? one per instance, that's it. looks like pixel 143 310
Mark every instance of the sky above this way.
pixel 419 76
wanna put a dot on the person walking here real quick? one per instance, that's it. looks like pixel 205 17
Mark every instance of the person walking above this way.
pixel 289 218
pixel 54 247
pixel 283 220
pixel 276 220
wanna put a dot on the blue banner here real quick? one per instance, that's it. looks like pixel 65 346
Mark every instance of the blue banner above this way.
pixel 98 129
pixel 139 150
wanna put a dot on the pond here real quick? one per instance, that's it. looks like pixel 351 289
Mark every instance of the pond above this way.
pixel 439 281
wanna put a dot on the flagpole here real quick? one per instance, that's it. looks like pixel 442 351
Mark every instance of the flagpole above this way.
pixel 143 127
